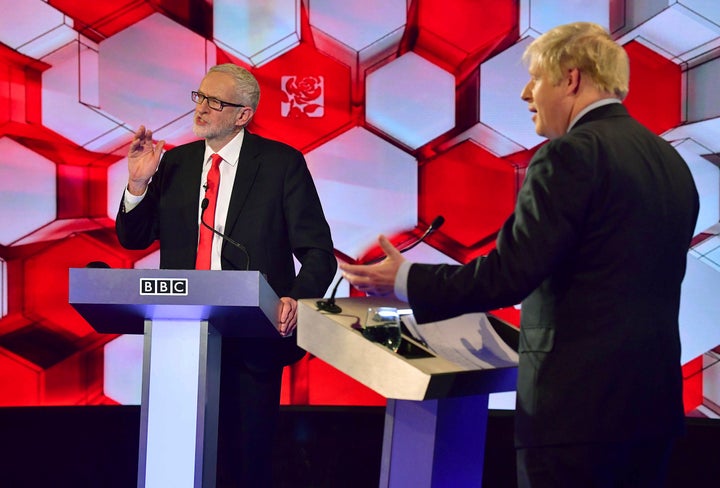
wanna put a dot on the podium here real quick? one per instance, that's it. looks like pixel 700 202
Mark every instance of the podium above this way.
pixel 436 413
pixel 183 315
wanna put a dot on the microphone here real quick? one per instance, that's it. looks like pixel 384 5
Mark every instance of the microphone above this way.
pixel 330 306
pixel 203 206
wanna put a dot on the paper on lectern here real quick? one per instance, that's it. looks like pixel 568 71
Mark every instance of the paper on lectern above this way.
pixel 467 340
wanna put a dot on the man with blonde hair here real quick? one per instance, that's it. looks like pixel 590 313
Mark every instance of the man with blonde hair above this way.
pixel 596 249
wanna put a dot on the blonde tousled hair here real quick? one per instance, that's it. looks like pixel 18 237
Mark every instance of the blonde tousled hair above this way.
pixel 587 47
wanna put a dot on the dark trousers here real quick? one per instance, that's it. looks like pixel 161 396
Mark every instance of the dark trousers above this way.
pixel 637 464
pixel 249 409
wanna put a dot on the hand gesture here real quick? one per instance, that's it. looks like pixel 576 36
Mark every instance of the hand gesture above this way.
pixel 376 279
pixel 143 160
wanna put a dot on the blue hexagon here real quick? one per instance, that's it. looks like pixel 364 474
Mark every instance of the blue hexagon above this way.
pixel 367 187
pixel 28 196
pixel 256 32
pixel 146 80
pixel 411 100
pixel 360 23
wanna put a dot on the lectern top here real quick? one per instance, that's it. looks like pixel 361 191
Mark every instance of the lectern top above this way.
pixel 121 300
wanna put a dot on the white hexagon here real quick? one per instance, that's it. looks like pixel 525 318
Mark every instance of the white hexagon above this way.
pixel 123 362
pixel 711 382
pixel 256 32
pixel 72 77
pixel 707 251
pixel 491 140
pixel 702 89
pixel 33 27
pixel 411 100
pixel 542 15
pixel 699 308
pixel 502 80
pixel 151 261
pixel 368 27
pixel 367 186
pixel 145 79
pixel 707 181
pixel 679 31
pixel 27 191
pixel 705 132
pixel 117 178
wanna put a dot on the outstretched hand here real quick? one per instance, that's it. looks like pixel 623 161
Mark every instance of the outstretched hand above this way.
pixel 376 279
pixel 143 160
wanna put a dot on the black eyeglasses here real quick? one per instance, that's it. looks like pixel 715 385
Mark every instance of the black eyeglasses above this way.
pixel 212 102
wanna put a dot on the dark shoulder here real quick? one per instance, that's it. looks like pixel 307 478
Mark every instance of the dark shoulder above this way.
pixel 264 145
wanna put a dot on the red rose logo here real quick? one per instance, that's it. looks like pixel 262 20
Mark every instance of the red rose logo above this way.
pixel 304 96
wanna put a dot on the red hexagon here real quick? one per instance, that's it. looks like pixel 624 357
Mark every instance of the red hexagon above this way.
pixel 103 18
pixel 303 128
pixel 465 32
pixel 655 88
pixel 45 279
pixel 473 189
pixel 43 366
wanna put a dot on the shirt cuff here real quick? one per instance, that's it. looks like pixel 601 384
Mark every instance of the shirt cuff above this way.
pixel 401 279
pixel 131 201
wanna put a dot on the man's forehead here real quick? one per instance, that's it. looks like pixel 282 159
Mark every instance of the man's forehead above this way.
pixel 214 83
pixel 534 68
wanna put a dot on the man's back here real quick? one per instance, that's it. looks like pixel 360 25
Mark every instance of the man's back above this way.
pixel 600 334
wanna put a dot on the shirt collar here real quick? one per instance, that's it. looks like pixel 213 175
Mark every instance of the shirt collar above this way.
pixel 230 152
pixel 592 106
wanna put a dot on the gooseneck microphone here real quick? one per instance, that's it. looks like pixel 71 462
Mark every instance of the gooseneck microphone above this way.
pixel 330 306
pixel 204 205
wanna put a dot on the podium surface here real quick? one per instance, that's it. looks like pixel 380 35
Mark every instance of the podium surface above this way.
pixel 436 414
pixel 183 314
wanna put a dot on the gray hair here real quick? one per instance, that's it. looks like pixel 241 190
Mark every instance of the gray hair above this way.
pixel 246 85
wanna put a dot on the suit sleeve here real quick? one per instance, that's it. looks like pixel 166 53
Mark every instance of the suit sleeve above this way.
pixel 309 233
pixel 138 228
pixel 545 224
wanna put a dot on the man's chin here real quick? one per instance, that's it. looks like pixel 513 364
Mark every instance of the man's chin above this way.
pixel 199 131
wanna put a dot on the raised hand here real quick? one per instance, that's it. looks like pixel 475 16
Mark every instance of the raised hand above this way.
pixel 143 160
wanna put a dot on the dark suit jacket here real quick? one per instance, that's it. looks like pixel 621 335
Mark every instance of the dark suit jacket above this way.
pixel 274 212
pixel 597 248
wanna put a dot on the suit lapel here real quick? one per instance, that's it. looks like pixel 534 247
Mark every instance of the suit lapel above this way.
pixel 247 169
pixel 191 167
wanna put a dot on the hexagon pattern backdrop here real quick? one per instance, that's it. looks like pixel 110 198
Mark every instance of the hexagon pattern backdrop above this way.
pixel 405 109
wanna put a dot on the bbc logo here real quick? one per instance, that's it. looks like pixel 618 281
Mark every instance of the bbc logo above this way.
pixel 163 286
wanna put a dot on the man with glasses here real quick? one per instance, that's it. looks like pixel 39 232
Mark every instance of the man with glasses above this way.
pixel 263 198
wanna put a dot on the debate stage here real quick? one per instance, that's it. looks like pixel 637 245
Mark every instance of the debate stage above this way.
pixel 319 447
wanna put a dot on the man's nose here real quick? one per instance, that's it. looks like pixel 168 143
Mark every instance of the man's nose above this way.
pixel 526 93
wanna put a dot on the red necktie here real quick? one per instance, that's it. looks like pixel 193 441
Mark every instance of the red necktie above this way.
pixel 204 251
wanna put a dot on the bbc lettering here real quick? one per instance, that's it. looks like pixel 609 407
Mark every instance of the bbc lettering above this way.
pixel 163 286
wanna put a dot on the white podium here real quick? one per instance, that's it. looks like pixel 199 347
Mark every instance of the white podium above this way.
pixel 183 315
pixel 436 414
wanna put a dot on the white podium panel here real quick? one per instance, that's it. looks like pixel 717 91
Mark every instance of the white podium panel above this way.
pixel 436 414
pixel 183 315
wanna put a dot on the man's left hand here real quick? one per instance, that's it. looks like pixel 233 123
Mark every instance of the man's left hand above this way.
pixel 287 316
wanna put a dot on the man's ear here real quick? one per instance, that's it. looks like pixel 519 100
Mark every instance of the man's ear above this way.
pixel 244 117
pixel 572 80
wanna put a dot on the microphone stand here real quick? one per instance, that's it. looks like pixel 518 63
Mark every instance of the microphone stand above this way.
pixel 203 206
pixel 330 306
